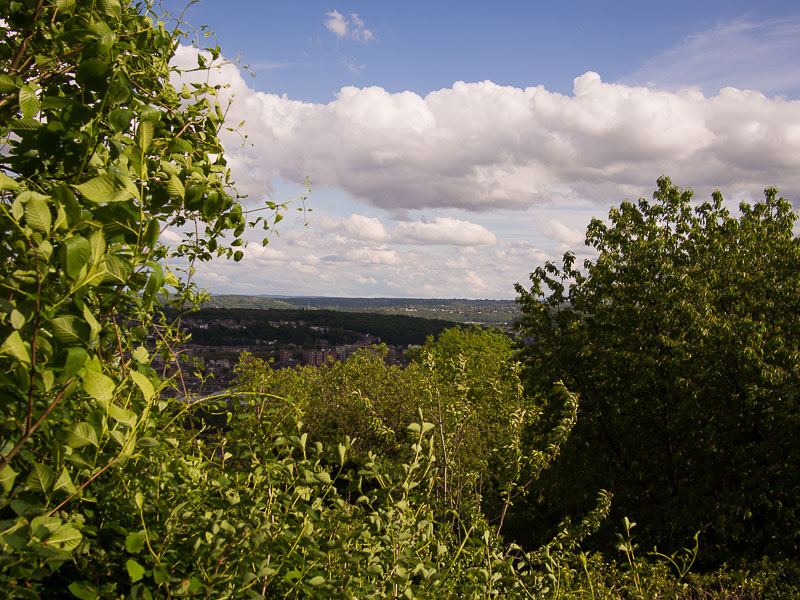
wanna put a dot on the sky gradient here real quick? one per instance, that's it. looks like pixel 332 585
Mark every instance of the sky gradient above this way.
pixel 453 147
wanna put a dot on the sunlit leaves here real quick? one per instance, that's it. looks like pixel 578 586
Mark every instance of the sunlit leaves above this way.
pixel 99 386
pixel 37 212
pixel 16 348
pixel 107 188
pixel 28 102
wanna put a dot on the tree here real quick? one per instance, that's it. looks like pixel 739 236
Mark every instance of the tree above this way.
pixel 100 153
pixel 683 343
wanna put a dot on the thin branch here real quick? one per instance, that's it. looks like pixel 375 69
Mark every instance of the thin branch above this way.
pixel 35 426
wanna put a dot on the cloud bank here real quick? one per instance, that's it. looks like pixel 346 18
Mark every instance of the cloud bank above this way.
pixel 484 147
pixel 530 165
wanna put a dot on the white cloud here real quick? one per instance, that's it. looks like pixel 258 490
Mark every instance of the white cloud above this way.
pixel 356 227
pixel 374 256
pixel 443 230
pixel 336 23
pixel 563 234
pixel 536 164
pixel 265 255
pixel 485 147
pixel 352 28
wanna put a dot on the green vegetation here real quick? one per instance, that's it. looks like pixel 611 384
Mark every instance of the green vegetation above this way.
pixel 682 340
pixel 465 475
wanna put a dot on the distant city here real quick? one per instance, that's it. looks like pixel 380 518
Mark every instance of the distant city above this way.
pixel 313 331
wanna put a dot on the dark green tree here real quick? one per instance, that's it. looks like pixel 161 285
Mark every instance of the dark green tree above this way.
pixel 682 339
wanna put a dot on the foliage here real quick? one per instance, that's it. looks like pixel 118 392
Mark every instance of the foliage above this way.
pixel 99 154
pixel 682 340
pixel 107 490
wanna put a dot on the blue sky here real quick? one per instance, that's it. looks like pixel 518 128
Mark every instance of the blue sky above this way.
pixel 454 146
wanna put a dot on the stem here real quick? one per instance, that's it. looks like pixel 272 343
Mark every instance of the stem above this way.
pixel 24 45
pixel 84 484
pixel 35 426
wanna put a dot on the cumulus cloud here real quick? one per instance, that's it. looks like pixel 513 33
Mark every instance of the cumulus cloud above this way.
pixel 522 157
pixel 443 230
pixel 563 234
pixel 485 147
pixel 356 227
pixel 374 256
pixel 352 28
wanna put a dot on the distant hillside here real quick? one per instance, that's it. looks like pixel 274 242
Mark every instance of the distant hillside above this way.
pixel 235 301
pixel 233 326
pixel 458 310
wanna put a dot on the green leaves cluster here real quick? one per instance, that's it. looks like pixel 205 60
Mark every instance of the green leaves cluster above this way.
pixel 682 340
pixel 100 154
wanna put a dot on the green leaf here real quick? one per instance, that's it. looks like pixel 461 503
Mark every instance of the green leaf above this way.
pixel 65 5
pixel 99 386
pixel 7 477
pixel 41 478
pixel 94 326
pixel 9 84
pixel 69 329
pixel 111 8
pixel 144 135
pixel 17 319
pixel 7 183
pixel 83 590
pixel 14 346
pixel 134 542
pixel 175 187
pixel 135 570
pixel 25 125
pixel 64 482
pixel 147 442
pixel 126 417
pixel 90 68
pixel 43 527
pixel 80 435
pixel 141 355
pixel 28 102
pixel 342 450
pixel 144 384
pixel 120 119
pixel 105 189
pixel 317 581
pixel 74 360
pixel 98 246
pixel 37 213
pixel 160 574
pixel 76 253
pixel 65 537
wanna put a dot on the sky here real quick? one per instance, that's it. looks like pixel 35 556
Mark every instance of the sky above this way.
pixel 453 147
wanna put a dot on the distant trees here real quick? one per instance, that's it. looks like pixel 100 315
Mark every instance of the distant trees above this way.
pixel 682 340
pixel 399 330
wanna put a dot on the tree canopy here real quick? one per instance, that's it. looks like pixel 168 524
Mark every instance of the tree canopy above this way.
pixel 682 340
